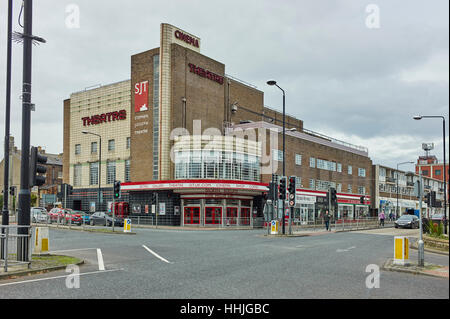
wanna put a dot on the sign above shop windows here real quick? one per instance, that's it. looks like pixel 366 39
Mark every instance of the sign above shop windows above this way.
pixel 141 96
pixel 105 117
pixel 205 73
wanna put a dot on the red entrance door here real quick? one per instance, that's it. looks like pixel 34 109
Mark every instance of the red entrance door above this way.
pixel 191 215
pixel 213 215
pixel 245 216
pixel 232 213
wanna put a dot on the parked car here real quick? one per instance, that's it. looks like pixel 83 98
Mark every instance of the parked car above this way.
pixel 56 215
pixel 38 215
pixel 101 218
pixel 86 217
pixel 72 217
pixel 407 221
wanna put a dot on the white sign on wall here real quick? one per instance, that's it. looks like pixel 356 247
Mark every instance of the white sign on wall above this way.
pixel 162 208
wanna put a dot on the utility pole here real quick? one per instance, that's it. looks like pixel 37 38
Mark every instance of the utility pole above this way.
pixel 421 245
pixel 5 211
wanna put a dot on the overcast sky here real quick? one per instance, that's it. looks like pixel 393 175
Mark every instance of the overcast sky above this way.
pixel 355 72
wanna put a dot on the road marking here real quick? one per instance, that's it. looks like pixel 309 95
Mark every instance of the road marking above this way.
pixel 347 249
pixel 57 277
pixel 156 255
pixel 101 265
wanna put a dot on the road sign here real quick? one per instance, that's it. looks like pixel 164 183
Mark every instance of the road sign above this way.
pixel 127 225
pixel 274 227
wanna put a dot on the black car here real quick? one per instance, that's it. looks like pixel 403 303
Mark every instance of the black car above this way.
pixel 407 221
pixel 101 218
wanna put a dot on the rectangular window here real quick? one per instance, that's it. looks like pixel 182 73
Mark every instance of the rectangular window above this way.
pixel 312 184
pixel 111 145
pixel 437 172
pixel 127 171
pixel 77 149
pixel 77 175
pixel 339 188
pixel 277 155
pixel 349 188
pixel 362 172
pixel 361 190
pixel 339 167
pixel 350 170
pixel 93 173
pixel 128 143
pixel 312 162
pixel 382 172
pixel 110 172
pixel 298 159
pixel 94 147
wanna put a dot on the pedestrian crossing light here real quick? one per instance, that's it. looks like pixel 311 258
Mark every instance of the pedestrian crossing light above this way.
pixel 36 169
pixel 291 189
pixel 117 189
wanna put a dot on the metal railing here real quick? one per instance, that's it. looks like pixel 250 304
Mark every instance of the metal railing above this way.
pixel 13 246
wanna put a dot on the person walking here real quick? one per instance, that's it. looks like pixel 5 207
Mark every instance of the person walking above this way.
pixel 390 216
pixel 382 217
pixel 326 219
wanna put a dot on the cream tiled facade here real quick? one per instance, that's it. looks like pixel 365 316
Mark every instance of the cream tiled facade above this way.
pixel 105 99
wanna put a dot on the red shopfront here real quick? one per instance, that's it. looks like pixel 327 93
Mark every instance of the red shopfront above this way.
pixel 210 203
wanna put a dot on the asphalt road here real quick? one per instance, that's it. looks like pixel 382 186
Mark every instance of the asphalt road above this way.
pixel 180 264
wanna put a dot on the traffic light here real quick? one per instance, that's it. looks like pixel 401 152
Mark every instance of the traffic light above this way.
pixel 428 199
pixel 333 197
pixel 282 193
pixel 291 189
pixel 361 199
pixel 433 199
pixel 153 198
pixel 36 169
pixel 117 189
pixel 12 190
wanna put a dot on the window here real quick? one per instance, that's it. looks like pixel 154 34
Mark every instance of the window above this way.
pixel 94 147
pixel 361 190
pixel 425 172
pixel 127 171
pixel 93 173
pixel 326 165
pixel 312 184
pixel 111 145
pixel 77 175
pixel 362 172
pixel 298 159
pixel 77 149
pixel 350 170
pixel 437 172
pixel 110 172
pixel 339 167
pixel 312 162
pixel 277 155
pixel 349 188
pixel 128 143
pixel 339 188
pixel 382 172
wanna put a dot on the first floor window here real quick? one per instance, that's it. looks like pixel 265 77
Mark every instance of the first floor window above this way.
pixel 77 149
pixel 298 159
pixel 93 173
pixel 110 172
pixel 349 188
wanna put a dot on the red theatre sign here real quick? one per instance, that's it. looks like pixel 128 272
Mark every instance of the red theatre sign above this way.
pixel 141 96
pixel 186 38
pixel 205 73
pixel 105 117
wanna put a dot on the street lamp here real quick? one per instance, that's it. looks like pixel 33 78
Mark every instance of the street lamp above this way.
pixel 271 83
pixel 419 117
pixel 99 165
pixel 396 209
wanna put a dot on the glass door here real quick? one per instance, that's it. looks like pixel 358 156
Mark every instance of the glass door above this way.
pixel 232 214
pixel 213 215
pixel 192 215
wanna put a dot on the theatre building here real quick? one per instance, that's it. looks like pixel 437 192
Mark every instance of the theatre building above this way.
pixel 196 145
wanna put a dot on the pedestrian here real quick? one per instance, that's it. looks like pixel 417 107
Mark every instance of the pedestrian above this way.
pixel 326 218
pixel 382 217
pixel 390 216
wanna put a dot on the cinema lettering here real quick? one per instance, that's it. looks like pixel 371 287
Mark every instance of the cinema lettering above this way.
pixel 104 118
pixel 186 38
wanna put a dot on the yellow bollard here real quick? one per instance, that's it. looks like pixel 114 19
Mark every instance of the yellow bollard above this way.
pixel 401 250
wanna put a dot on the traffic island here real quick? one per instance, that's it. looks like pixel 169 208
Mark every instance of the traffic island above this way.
pixel 93 230
pixel 433 245
pixel 39 264
pixel 413 268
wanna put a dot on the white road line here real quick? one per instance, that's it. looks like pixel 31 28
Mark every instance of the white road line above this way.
pixel 101 265
pixel 156 255
pixel 57 277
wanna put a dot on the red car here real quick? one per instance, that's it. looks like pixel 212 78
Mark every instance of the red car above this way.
pixel 73 218
pixel 56 215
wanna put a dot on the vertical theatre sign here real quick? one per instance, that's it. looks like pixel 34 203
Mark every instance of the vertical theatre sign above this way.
pixel 141 96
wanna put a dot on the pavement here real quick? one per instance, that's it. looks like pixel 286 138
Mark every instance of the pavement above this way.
pixel 413 268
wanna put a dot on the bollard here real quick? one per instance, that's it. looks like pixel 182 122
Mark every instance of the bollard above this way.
pixel 401 250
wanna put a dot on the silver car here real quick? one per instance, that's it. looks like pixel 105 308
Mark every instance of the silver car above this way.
pixel 38 215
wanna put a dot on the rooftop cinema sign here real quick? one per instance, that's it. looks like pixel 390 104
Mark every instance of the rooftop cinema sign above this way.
pixel 105 117
pixel 186 38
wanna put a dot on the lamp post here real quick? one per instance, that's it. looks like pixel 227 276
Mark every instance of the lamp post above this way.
pixel 271 83
pixel 419 117
pixel 396 209
pixel 99 165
